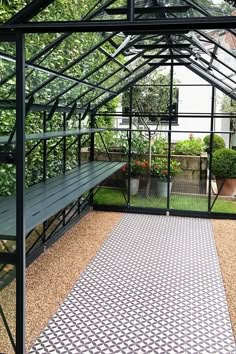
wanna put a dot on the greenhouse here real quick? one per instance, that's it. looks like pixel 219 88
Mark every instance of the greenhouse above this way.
pixel 116 106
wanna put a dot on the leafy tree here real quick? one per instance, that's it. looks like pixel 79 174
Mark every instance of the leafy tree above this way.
pixel 151 98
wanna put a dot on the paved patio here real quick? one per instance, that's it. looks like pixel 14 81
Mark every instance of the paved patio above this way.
pixel 154 287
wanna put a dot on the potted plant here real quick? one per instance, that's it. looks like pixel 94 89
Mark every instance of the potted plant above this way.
pixel 224 169
pixel 159 173
pixel 137 169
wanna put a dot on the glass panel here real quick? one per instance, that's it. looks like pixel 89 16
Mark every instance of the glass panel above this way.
pixel 89 97
pixel 104 72
pixel 70 49
pixel 52 89
pixel 8 9
pixel 7 77
pixel 86 65
pixel 35 78
pixel 7 48
pixel 35 43
pixel 149 148
pixel 74 10
pixel 72 94
pixel 114 192
pixel 223 186
pixel 189 164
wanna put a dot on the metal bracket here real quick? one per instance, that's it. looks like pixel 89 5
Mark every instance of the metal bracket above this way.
pixel 7 155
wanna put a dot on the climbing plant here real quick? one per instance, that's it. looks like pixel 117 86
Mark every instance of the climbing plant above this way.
pixel 66 52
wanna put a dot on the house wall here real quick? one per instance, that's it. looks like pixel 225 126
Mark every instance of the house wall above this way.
pixel 193 99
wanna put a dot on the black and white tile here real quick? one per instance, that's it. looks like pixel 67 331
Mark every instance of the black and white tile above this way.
pixel 154 287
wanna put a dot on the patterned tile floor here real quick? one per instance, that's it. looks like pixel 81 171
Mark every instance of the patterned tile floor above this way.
pixel 154 287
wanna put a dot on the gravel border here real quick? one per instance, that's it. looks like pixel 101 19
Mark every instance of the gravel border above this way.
pixel 225 238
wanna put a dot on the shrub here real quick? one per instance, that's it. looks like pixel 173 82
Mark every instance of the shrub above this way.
pixel 191 146
pixel 224 163
pixel 159 146
pixel 159 168
pixel 218 143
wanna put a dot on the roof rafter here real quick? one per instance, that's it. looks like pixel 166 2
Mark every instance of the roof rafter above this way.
pixel 172 25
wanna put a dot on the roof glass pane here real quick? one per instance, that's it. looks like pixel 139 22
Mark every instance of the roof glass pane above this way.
pixel 71 95
pixel 87 65
pixel 35 78
pixel 8 87
pixel 105 71
pixel 110 81
pixel 10 8
pixel 35 43
pixel 51 90
pixel 89 97
pixel 61 10
pixel 69 50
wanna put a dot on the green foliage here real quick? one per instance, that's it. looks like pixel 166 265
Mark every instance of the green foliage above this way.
pixel 224 163
pixel 159 145
pixel 140 144
pixel 228 105
pixel 70 49
pixel 7 179
pixel 159 167
pixel 192 146
pixel 218 143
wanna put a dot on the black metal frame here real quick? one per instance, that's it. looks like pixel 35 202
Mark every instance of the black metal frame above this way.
pixel 134 29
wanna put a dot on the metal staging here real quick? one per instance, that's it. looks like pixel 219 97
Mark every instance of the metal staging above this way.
pixel 127 40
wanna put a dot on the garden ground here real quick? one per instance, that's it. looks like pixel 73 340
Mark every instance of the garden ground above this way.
pixel 51 277
pixel 113 196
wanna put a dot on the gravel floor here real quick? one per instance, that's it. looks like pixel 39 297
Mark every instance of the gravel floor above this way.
pixel 51 277
pixel 53 274
pixel 225 237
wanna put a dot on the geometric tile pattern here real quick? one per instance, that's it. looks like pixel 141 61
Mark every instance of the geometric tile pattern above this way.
pixel 154 287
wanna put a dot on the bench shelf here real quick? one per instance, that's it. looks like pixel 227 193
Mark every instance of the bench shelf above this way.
pixel 47 198
pixel 52 135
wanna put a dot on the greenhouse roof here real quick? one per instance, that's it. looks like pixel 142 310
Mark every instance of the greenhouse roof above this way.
pixel 81 56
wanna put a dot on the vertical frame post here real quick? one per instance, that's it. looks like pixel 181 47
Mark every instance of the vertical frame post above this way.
pixel 79 142
pixel 64 144
pixel 79 157
pixel 64 159
pixel 20 193
pixel 130 7
pixel 92 146
pixel 44 146
pixel 211 146
pixel 169 133
pixel 44 167
pixel 130 139
pixel 92 139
